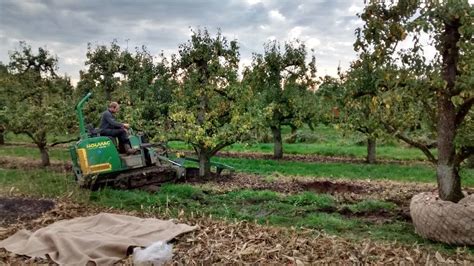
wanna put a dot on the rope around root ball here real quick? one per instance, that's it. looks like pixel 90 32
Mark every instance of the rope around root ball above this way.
pixel 443 221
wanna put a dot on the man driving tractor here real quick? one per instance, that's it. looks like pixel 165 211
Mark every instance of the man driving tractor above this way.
pixel 112 128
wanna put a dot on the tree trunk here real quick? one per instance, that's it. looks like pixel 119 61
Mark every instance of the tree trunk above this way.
pixel 277 143
pixel 2 134
pixel 470 162
pixel 108 94
pixel 449 183
pixel 44 156
pixel 371 149
pixel 292 138
pixel 204 164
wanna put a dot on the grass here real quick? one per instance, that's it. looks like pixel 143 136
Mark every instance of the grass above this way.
pixel 407 173
pixel 324 140
pixel 308 210
pixel 325 149
pixel 371 206
pixel 40 183
pixel 270 208
pixel 272 168
pixel 60 154
pixel 322 201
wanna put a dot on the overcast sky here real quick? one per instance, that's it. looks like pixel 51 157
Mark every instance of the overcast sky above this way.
pixel 66 26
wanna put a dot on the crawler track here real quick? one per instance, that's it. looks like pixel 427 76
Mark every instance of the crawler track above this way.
pixel 135 178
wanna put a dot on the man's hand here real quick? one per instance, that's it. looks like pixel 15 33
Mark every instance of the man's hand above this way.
pixel 127 126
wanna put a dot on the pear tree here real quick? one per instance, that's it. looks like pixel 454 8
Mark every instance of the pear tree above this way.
pixel 39 102
pixel 210 108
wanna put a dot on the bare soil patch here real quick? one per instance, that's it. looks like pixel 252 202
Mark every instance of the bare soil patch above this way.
pixel 308 158
pixel 330 187
pixel 13 210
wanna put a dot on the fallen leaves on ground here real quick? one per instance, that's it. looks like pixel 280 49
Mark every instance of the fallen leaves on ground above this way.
pixel 219 241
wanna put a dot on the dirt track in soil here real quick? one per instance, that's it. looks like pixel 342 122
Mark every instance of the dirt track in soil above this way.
pixel 307 158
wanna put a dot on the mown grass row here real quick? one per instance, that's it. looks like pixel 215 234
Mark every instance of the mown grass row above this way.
pixel 324 149
pixel 396 172
pixel 274 169
pixel 324 140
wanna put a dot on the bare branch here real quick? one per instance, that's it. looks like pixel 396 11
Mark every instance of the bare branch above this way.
pixel 62 142
pixel 219 147
pixel 29 134
pixel 425 148
pixel 363 130
pixel 463 154
pixel 463 110
pixel 224 94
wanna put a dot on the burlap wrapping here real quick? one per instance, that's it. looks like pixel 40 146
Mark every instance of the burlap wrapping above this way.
pixel 443 221
pixel 101 239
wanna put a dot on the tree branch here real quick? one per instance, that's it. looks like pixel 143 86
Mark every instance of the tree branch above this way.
pixel 196 148
pixel 29 134
pixel 423 147
pixel 463 154
pixel 219 147
pixel 223 94
pixel 363 130
pixel 463 110
pixel 363 93
pixel 432 145
pixel 65 141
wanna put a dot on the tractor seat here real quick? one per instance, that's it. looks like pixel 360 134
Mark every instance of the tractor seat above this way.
pixel 92 131
pixel 95 132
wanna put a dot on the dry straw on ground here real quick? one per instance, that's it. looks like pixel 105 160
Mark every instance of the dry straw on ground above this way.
pixel 233 242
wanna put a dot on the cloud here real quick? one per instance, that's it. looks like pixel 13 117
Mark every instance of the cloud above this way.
pixel 67 26
pixel 275 15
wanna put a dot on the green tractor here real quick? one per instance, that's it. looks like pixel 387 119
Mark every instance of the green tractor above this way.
pixel 96 160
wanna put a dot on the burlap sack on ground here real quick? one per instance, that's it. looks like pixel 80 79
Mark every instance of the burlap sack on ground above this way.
pixel 100 239
pixel 444 221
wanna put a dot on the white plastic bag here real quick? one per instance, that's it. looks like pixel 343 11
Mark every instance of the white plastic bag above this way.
pixel 157 253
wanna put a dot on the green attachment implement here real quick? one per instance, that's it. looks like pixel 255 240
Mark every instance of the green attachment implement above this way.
pixel 80 116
